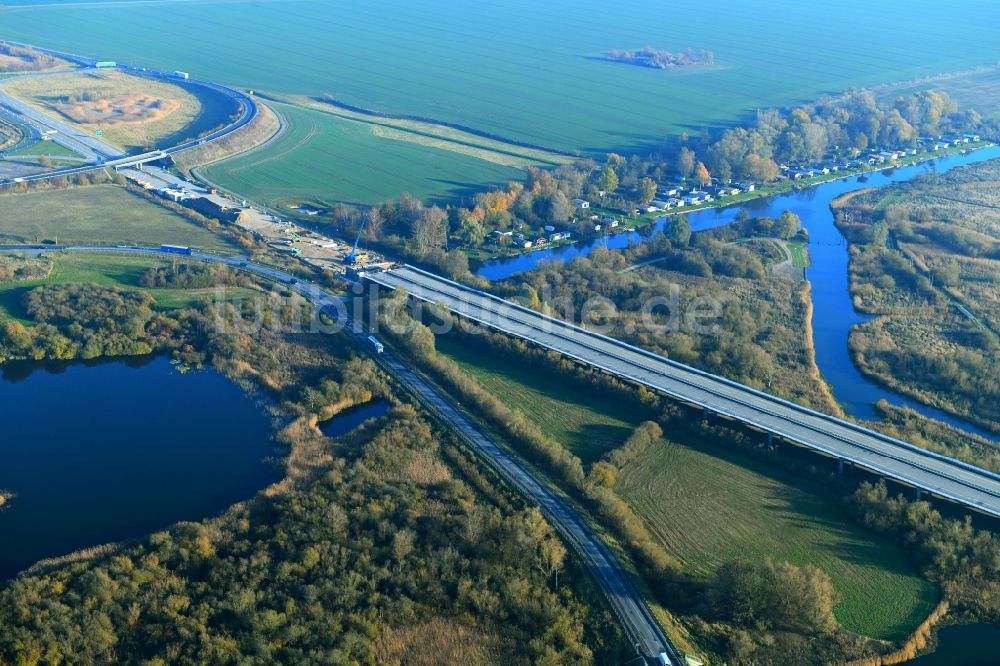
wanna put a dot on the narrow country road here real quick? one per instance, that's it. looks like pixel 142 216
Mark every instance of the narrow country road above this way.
pixel 635 617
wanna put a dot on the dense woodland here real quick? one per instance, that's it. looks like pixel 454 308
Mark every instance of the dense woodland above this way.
pixel 747 612
pixel 371 548
pixel 87 321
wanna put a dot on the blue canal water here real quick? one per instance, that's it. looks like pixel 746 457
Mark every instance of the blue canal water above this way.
pixel 833 310
pixel 99 452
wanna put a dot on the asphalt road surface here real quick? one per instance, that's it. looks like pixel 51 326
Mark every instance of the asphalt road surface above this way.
pixel 66 134
pixel 96 151
pixel 939 475
pixel 637 620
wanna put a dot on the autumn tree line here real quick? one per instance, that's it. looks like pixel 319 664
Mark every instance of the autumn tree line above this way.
pixel 14 58
pixel 390 541
pixel 747 611
pixel 847 124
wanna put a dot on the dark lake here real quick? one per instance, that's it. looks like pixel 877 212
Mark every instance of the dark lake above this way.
pixel 967 644
pixel 99 452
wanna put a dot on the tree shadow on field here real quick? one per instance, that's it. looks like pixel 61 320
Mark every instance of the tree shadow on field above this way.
pixel 462 191
pixel 593 440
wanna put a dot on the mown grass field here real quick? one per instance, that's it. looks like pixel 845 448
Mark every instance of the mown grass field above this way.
pixel 709 505
pixel 586 426
pixel 107 270
pixel 98 214
pixel 327 159
pixel 524 71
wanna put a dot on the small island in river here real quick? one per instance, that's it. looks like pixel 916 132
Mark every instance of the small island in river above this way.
pixel 661 58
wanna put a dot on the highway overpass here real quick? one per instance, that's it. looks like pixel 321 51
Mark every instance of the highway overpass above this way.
pixel 924 470
pixel 100 153
pixel 626 602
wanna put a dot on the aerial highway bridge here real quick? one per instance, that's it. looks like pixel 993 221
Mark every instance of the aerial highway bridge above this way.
pixel 627 603
pixel 926 471
pixel 99 154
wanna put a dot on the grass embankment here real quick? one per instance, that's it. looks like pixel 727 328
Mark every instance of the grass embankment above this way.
pixel 132 112
pixel 100 214
pixel 585 425
pixel 263 128
pixel 45 149
pixel 105 270
pixel 322 159
pixel 706 504
pixel 800 254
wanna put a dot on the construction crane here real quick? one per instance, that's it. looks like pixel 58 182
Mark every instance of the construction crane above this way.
pixel 352 256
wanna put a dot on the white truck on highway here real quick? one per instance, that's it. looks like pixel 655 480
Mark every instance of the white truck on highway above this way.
pixel 375 344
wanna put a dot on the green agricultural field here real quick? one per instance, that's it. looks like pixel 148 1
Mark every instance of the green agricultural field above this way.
pixel 710 506
pixel 98 214
pixel 586 426
pixel 707 506
pixel 107 270
pixel 977 88
pixel 522 70
pixel 325 158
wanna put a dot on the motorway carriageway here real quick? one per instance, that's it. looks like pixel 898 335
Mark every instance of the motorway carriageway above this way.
pixel 939 475
pixel 626 602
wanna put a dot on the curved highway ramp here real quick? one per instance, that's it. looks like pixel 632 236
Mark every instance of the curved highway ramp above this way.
pixel 924 470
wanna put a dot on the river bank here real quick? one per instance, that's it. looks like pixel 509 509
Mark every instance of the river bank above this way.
pixel 787 186
pixel 921 266
pixel 834 314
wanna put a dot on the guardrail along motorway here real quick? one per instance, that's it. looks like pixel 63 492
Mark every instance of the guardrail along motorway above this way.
pixel 965 484
pixel 626 602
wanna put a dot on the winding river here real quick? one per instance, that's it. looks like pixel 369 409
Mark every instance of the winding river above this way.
pixel 833 312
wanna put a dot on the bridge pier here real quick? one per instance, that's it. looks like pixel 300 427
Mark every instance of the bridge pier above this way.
pixel 840 466
pixel 917 493
pixel 770 438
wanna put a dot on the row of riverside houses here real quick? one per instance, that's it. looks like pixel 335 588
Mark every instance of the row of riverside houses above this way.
pixel 674 196
pixel 878 157
pixel 526 241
